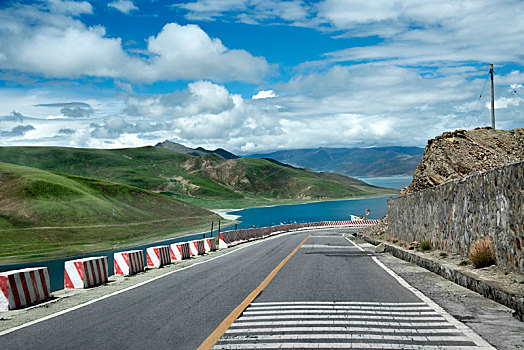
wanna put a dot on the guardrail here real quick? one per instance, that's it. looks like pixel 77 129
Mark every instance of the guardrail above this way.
pixel 234 237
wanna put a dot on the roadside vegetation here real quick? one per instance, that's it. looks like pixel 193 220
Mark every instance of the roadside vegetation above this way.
pixel 482 253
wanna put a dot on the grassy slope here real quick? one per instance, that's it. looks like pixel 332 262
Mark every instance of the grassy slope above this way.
pixel 45 214
pixel 207 181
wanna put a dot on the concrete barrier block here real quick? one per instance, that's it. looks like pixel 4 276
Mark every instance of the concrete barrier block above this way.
pixel 86 272
pixel 158 256
pixel 19 288
pixel 129 262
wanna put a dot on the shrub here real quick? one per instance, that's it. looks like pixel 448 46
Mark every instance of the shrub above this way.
pixel 482 253
pixel 463 263
pixel 444 255
pixel 425 246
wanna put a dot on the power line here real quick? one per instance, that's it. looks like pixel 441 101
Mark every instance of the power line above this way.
pixel 470 118
pixel 512 89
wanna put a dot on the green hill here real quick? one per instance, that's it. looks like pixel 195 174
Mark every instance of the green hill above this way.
pixel 207 180
pixel 47 214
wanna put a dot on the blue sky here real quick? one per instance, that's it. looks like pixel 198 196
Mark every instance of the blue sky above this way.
pixel 255 75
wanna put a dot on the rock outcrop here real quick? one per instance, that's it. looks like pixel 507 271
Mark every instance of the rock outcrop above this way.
pixel 457 154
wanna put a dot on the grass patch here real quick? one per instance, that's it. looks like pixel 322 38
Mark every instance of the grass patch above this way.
pixel 463 263
pixel 482 253
pixel 443 255
pixel 425 246
pixel 23 245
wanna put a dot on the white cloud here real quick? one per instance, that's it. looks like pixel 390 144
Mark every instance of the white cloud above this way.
pixel 188 52
pixel 124 6
pixel 57 46
pixel 359 106
pixel 248 11
pixel 264 94
pixel 409 32
pixel 74 8
pixel 505 102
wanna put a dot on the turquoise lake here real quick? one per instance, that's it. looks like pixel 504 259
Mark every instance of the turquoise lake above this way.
pixel 322 211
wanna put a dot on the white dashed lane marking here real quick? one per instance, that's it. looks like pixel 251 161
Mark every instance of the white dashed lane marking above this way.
pixel 350 325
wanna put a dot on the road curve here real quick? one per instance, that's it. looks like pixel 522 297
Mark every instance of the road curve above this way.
pixel 346 298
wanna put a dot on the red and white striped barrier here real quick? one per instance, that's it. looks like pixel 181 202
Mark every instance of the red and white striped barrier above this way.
pixel 19 288
pixel 176 252
pixel 193 248
pixel 129 263
pixel 197 247
pixel 210 244
pixel 221 243
pixel 86 272
pixel 180 251
pixel 158 256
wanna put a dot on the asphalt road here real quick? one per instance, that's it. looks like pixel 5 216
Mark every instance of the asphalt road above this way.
pixel 329 294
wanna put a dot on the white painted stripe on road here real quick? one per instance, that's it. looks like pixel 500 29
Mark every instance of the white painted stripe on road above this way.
pixel 333 311
pixel 371 312
pixel 364 311
pixel 346 316
pixel 351 336
pixel 452 330
pixel 325 246
pixel 362 315
pixel 339 307
pixel 337 303
pixel 324 236
pixel 340 322
pixel 356 245
pixel 257 345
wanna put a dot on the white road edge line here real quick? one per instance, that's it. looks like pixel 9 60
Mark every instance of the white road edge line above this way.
pixel 48 317
pixel 477 339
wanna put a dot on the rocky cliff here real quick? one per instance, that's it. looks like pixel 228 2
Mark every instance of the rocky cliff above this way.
pixel 454 155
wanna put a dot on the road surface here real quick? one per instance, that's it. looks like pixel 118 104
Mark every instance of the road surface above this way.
pixel 328 293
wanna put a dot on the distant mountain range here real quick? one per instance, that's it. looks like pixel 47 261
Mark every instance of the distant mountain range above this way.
pixel 377 161
pixel 380 161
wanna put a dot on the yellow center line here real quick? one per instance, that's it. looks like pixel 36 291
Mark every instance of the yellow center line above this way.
pixel 223 327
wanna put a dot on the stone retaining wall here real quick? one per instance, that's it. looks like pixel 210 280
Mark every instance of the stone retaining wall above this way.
pixel 457 213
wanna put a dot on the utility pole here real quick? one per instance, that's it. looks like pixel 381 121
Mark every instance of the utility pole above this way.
pixel 492 98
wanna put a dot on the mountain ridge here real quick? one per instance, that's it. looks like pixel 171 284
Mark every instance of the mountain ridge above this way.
pixel 199 151
pixel 375 161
